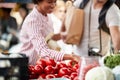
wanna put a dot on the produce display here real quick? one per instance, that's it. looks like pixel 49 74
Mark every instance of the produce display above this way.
pixel 88 68
pixel 116 72
pixel 87 63
pixel 99 73
pixel 112 60
pixel 49 68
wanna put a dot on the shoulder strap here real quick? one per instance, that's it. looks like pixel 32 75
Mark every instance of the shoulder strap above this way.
pixel 102 15
pixel 83 4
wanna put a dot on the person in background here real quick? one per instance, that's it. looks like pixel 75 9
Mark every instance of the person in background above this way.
pixel 112 20
pixel 57 17
pixel 8 27
pixel 69 3
pixel 23 10
pixel 36 26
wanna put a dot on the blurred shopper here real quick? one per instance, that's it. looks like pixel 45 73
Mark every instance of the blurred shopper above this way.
pixel 8 27
pixel 23 10
pixel 69 3
pixel 36 26
pixel 57 18
pixel 91 33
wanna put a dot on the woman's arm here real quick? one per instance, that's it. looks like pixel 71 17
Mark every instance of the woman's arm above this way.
pixel 115 34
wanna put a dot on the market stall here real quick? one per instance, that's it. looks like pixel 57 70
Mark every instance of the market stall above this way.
pixel 14 66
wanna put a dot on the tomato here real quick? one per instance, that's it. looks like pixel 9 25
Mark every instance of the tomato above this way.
pixel 60 65
pixel 66 76
pixel 41 62
pixel 56 69
pixel 42 76
pixel 75 67
pixel 73 75
pixel 49 76
pixel 76 78
pixel 63 71
pixel 38 69
pixel 71 63
pixel 56 75
pixel 30 69
pixel 49 69
pixel 50 62
pixel 33 76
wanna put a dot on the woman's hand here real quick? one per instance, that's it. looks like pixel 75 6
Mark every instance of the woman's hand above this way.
pixel 71 57
pixel 56 37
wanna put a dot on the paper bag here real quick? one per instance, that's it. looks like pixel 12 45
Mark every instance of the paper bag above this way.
pixel 74 23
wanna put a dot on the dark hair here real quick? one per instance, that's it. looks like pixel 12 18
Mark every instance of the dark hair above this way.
pixel 8 10
pixel 36 1
pixel 118 3
pixel 24 6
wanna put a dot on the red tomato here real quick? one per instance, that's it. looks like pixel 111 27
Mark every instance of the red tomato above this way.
pixel 38 69
pixel 33 76
pixel 75 67
pixel 30 66
pixel 42 76
pixel 70 70
pixel 73 75
pixel 56 69
pixel 50 62
pixel 76 78
pixel 66 76
pixel 71 63
pixel 41 62
pixel 60 65
pixel 49 76
pixel 56 75
pixel 49 69
pixel 63 71
pixel 30 69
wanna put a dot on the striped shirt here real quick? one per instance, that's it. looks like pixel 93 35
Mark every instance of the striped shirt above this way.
pixel 33 32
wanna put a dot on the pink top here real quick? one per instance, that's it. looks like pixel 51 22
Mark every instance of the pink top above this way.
pixel 34 30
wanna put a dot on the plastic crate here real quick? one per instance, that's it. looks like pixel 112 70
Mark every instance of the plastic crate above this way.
pixel 18 69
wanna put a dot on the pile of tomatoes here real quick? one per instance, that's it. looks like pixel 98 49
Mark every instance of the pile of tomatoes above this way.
pixel 47 69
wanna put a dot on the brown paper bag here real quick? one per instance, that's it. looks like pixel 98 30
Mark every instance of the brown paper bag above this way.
pixel 74 23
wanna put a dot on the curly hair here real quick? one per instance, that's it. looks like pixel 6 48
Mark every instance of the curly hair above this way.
pixel 36 1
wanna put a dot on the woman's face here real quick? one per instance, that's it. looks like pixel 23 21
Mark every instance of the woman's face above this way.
pixel 22 12
pixel 60 12
pixel 46 6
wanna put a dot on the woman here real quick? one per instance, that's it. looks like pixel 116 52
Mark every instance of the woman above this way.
pixel 57 17
pixel 35 28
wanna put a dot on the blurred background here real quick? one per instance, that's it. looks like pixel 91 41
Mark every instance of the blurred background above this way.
pixel 12 15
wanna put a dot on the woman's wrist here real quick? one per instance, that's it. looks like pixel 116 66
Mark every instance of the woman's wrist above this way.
pixel 67 57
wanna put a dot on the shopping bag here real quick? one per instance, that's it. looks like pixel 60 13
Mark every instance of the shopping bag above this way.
pixel 74 23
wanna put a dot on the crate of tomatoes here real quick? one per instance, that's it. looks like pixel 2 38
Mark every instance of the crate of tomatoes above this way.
pixel 49 69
